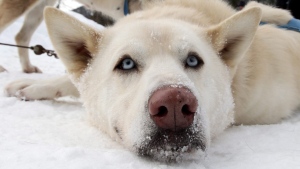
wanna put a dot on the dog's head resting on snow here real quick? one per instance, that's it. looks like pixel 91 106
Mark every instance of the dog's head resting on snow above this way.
pixel 161 87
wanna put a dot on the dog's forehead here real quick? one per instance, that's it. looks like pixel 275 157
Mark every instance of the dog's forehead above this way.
pixel 167 35
pixel 159 28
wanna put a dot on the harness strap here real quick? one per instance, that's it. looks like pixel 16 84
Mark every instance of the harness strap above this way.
pixel 293 25
pixel 126 7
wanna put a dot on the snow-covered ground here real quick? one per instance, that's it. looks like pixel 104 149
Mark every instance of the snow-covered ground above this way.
pixel 55 134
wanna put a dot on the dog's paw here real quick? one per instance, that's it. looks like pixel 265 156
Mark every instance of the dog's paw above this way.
pixel 28 89
pixel 2 69
pixel 31 69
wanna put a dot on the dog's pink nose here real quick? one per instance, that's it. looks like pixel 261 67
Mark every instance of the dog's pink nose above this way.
pixel 173 108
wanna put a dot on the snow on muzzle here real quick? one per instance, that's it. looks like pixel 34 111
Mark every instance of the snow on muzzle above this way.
pixel 172 110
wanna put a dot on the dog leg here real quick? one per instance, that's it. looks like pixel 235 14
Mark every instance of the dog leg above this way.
pixel 10 10
pixel 31 22
pixel 29 89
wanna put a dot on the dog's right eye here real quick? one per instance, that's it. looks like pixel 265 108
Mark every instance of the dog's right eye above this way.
pixel 193 60
pixel 126 64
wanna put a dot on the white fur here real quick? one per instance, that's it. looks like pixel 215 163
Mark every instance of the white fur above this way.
pixel 52 88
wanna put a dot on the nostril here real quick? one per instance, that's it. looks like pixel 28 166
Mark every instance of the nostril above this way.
pixel 186 110
pixel 162 111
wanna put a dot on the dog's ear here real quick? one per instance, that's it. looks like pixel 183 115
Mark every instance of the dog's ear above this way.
pixel 74 41
pixel 232 37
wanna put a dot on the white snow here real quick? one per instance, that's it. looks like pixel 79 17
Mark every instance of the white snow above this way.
pixel 55 134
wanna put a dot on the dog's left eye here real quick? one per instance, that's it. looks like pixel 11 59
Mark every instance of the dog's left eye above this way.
pixel 193 60
pixel 126 64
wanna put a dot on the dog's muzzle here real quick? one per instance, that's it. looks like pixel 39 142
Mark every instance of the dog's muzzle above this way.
pixel 172 110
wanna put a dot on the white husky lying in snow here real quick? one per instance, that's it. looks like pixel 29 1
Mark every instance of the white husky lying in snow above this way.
pixel 166 80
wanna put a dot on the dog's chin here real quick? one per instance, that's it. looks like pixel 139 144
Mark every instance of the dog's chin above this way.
pixel 170 146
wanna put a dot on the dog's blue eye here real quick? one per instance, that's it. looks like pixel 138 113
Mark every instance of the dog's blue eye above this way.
pixel 192 61
pixel 127 64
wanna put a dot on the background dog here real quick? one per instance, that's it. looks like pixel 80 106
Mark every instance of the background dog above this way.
pixel 10 10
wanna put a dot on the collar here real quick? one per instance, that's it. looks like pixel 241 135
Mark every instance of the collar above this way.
pixel 126 7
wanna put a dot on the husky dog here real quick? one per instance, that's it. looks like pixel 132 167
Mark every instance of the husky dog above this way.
pixel 166 80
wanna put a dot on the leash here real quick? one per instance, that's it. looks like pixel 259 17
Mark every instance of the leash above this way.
pixel 37 49
pixel 126 7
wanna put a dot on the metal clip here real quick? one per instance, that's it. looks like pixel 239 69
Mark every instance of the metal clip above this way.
pixel 39 49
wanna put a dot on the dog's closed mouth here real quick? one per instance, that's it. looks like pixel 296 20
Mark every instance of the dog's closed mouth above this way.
pixel 170 146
